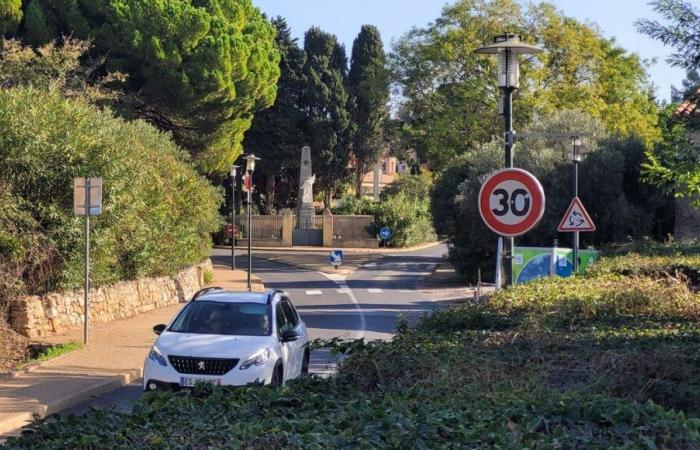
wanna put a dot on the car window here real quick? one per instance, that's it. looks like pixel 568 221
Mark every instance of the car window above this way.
pixel 242 319
pixel 291 314
pixel 283 323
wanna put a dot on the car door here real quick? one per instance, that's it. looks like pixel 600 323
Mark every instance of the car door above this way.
pixel 285 350
pixel 296 348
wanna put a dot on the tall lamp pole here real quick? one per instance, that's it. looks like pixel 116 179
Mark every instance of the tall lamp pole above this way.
pixel 250 168
pixel 508 47
pixel 234 172
pixel 576 157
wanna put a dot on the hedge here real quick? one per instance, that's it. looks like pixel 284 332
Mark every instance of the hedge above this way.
pixel 158 213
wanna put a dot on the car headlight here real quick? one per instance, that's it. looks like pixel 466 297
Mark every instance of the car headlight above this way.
pixel 257 359
pixel 156 356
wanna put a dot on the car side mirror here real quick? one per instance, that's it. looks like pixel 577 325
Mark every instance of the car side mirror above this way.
pixel 290 336
pixel 158 329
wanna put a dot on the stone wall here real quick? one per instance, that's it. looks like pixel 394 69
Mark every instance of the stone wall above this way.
pixel 55 313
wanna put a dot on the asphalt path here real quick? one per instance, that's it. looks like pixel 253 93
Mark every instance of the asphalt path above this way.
pixel 366 304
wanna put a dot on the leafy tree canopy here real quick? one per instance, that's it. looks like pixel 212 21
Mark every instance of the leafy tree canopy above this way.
pixel 274 135
pixel 450 94
pixel 197 68
pixel 326 105
pixel 369 86
pixel 680 31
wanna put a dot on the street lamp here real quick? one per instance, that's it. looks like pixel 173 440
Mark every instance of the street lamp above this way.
pixel 578 150
pixel 250 168
pixel 234 171
pixel 508 47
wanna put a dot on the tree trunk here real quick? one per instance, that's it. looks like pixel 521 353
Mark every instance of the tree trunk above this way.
pixel 327 198
pixel 270 191
pixel 359 176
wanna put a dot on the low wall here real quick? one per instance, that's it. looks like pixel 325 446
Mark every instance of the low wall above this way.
pixel 55 313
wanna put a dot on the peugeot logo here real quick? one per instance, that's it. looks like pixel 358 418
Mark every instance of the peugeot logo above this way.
pixel 201 366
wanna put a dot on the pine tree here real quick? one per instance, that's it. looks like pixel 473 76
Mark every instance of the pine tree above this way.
pixel 326 104
pixel 369 87
pixel 275 134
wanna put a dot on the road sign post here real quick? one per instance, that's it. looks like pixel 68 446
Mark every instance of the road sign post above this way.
pixel 87 201
pixel 511 203
pixel 385 234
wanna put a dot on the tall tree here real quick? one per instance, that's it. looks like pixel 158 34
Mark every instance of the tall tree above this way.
pixel 275 134
pixel 199 69
pixel 675 162
pixel 682 33
pixel 369 86
pixel 326 105
pixel 449 94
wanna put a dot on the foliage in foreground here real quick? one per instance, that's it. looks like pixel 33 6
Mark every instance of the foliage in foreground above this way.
pixel 602 361
pixel 157 214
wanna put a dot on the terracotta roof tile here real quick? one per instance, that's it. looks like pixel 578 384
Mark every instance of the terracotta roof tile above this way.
pixel 690 106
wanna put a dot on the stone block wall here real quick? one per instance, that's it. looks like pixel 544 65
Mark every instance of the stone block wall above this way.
pixel 55 313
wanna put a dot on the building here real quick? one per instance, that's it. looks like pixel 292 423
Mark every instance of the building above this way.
pixel 385 173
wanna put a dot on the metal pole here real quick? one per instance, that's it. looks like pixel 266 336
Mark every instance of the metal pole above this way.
pixel 509 242
pixel 250 222
pixel 233 221
pixel 576 233
pixel 86 305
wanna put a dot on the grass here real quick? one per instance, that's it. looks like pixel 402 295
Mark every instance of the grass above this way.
pixel 50 352
pixel 606 360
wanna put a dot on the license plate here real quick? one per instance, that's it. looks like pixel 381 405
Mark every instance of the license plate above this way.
pixel 191 381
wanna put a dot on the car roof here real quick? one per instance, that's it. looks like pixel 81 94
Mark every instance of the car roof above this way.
pixel 227 296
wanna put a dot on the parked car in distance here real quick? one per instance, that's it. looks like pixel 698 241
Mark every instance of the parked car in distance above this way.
pixel 229 338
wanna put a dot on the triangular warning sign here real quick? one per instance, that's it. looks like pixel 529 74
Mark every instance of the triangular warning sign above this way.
pixel 576 218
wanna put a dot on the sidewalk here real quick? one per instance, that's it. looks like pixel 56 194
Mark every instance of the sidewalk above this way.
pixel 379 251
pixel 114 357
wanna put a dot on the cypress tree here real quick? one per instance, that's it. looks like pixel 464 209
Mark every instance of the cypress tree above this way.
pixel 369 87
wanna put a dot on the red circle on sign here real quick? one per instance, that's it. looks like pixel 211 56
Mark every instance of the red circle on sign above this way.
pixel 501 184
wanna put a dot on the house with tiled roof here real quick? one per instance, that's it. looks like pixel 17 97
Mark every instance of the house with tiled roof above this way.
pixel 687 226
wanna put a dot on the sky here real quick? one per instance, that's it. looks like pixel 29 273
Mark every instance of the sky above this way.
pixel 395 17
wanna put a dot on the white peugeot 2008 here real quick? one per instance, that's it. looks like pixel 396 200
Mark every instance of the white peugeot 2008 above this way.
pixel 229 338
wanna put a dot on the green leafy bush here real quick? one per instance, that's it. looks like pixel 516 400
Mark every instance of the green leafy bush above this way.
pixel 405 208
pixel 158 212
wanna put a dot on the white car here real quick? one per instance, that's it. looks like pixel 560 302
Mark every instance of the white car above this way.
pixel 229 338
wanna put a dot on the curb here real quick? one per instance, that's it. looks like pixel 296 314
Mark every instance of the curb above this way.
pixel 15 423
pixel 29 368
pixel 326 249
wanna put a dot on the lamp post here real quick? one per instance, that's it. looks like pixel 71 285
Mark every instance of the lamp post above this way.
pixel 250 168
pixel 508 47
pixel 234 172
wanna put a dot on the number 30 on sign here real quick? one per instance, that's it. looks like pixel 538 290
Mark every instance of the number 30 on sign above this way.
pixel 511 202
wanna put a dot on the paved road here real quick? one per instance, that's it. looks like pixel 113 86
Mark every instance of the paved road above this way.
pixel 366 304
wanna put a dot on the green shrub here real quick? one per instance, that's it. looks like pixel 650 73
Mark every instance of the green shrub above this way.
pixel 405 208
pixel 158 212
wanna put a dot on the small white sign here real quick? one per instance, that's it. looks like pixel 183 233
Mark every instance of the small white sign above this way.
pixel 80 196
pixel 518 259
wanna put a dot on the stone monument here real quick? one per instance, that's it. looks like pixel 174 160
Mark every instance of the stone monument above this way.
pixel 306 191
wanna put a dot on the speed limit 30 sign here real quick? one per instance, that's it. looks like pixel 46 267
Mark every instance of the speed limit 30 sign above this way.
pixel 511 202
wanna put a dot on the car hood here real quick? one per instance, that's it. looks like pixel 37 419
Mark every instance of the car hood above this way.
pixel 211 345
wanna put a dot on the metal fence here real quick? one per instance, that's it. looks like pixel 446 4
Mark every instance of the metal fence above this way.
pixel 316 225
pixel 263 227
pixel 354 228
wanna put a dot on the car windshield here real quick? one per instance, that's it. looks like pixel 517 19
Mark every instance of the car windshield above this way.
pixel 241 319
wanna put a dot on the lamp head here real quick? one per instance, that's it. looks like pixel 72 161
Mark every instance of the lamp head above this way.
pixel 250 162
pixel 234 170
pixel 508 47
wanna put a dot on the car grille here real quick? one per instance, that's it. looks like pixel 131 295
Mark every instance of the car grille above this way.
pixel 202 366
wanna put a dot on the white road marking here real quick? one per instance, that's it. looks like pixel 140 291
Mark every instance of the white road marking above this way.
pixel 344 290
pixel 374 291
pixel 313 292
pixel 406 291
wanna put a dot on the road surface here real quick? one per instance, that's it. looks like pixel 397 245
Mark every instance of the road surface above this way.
pixel 365 304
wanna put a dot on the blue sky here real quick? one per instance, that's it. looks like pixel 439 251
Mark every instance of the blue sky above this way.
pixel 394 17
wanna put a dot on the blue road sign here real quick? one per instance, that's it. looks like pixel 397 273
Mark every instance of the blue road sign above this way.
pixel 385 233
pixel 336 257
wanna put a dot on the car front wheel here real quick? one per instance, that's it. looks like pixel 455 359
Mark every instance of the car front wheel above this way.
pixel 277 376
